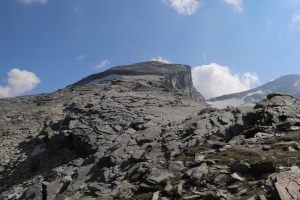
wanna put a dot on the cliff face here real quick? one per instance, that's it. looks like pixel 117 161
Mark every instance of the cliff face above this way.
pixel 178 76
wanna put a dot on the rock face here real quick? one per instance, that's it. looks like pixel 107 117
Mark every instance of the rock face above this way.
pixel 178 77
pixel 285 84
pixel 135 137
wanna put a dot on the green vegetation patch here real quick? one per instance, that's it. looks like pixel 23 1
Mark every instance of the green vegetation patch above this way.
pixel 229 156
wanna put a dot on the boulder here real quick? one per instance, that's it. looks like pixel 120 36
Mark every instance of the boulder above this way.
pixel 261 168
pixel 240 166
pixel 286 185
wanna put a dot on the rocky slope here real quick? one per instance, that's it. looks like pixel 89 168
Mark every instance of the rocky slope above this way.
pixel 135 137
pixel 285 84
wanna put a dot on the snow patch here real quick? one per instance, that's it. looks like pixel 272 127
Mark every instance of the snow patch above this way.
pixel 234 101
pixel 107 78
pixel 230 102
pixel 257 92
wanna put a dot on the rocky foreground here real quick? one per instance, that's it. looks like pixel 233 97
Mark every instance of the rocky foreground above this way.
pixel 147 137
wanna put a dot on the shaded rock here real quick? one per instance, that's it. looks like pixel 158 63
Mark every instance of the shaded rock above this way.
pixel 34 192
pixel 240 166
pixel 262 168
pixel 233 188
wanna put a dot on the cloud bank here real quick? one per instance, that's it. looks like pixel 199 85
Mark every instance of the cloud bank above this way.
pixel 34 1
pixel 19 82
pixel 215 80
pixel 185 7
pixel 160 59
pixel 238 5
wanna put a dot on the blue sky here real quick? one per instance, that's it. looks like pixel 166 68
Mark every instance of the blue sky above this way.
pixel 46 45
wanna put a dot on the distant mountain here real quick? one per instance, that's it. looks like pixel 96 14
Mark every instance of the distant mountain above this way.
pixel 285 84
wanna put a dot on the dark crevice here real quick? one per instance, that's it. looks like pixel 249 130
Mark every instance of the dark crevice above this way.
pixel 44 192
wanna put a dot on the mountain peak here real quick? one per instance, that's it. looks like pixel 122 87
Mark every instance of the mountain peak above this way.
pixel 178 76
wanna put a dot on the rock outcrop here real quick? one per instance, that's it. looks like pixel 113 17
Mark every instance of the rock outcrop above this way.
pixel 135 137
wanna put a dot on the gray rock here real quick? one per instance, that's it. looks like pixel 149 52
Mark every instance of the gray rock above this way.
pixel 286 184
pixel 157 175
pixel 242 192
pixel 169 187
pixel 199 157
pixel 61 197
pixel 53 189
pixel 262 197
pixel 220 179
pixel 34 192
pixel 198 174
pixel 176 166
pixel 178 189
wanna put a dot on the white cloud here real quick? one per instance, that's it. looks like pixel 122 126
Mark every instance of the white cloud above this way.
pixel 104 63
pixel 160 59
pixel 185 7
pixel 238 5
pixel 19 82
pixel 295 23
pixel 215 80
pixel 81 57
pixel 34 1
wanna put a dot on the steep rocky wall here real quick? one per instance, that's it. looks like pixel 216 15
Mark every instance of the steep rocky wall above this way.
pixel 178 76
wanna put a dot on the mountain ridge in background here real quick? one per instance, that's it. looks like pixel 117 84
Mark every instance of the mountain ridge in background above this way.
pixel 284 84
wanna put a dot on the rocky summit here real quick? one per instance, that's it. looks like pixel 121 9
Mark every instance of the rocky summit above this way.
pixel 143 132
